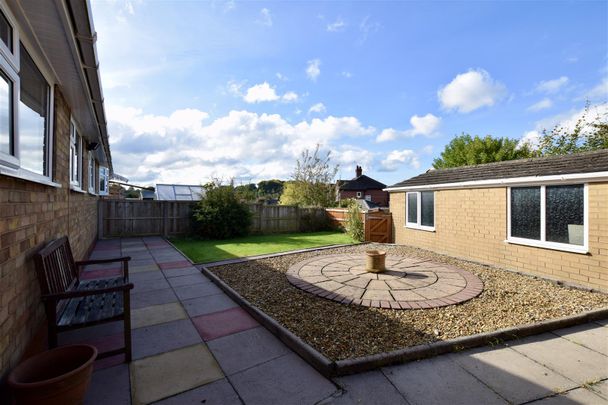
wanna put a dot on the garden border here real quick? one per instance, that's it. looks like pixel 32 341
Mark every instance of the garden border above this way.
pixel 330 368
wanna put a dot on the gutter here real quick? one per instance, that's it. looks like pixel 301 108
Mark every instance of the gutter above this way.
pixel 85 37
pixel 514 181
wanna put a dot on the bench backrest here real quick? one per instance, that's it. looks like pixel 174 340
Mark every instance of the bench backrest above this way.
pixel 55 266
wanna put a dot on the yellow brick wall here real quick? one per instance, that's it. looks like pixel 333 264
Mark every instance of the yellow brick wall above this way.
pixel 472 224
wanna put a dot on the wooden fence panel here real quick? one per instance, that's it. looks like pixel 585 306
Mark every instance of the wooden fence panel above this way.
pixel 120 218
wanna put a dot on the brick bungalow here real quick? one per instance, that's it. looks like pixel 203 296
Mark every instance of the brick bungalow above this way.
pixel 54 154
pixel 546 216
pixel 364 187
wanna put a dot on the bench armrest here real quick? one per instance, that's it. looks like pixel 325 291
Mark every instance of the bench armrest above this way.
pixel 125 264
pixel 86 293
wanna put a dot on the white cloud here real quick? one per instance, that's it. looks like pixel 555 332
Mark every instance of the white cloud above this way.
pixel 290 97
pixel 281 77
pixel 599 92
pixel 552 86
pixel 541 105
pixel 346 74
pixel 470 91
pixel 313 69
pixel 530 138
pixel 265 18
pixel 367 27
pixel 336 26
pixel 260 93
pixel 398 158
pixel 426 125
pixel 234 88
pixel 184 148
pixel 318 108
pixel 428 149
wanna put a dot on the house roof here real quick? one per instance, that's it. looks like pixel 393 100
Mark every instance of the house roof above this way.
pixel 586 162
pixel 362 182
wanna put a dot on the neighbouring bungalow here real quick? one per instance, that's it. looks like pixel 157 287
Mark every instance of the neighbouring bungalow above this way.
pixel 54 153
pixel 546 216
pixel 363 187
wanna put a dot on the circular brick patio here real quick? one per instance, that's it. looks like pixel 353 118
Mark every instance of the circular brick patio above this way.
pixel 407 283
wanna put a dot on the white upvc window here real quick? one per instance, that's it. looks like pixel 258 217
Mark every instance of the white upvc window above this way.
pixel 420 210
pixel 92 172
pixel 26 107
pixel 104 176
pixel 75 157
pixel 359 194
pixel 551 216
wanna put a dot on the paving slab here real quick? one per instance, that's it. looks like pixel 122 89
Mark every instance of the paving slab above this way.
pixel 167 374
pixel 573 361
pixel 439 381
pixel 149 285
pixel 182 271
pixel 110 386
pixel 240 351
pixel 579 396
pixel 143 267
pixel 285 380
pixel 145 276
pixel 223 323
pixel 91 332
pixel 149 298
pixel 155 339
pixel 371 388
pixel 208 304
pixel 188 280
pixel 592 337
pixel 512 375
pixel 156 314
pixel 216 393
pixel 197 290
pixel 601 388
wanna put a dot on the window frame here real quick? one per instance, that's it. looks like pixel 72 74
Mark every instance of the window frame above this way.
pixel 92 173
pixel 10 164
pixel 106 178
pixel 418 224
pixel 543 243
pixel 359 194
pixel 75 137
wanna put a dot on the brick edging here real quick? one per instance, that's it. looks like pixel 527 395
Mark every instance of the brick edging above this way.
pixel 331 368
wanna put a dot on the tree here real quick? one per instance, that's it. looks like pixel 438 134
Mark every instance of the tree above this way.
pixel 246 192
pixel 221 214
pixel 589 133
pixel 312 181
pixel 270 188
pixel 465 150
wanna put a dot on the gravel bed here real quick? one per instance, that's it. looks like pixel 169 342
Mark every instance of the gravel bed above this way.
pixel 340 331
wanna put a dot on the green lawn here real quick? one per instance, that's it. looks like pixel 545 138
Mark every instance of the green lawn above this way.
pixel 204 251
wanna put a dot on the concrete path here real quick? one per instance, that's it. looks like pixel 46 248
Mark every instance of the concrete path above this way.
pixel 194 345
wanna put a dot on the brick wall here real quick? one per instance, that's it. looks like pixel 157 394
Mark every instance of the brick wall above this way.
pixel 472 224
pixel 31 214
pixel 378 196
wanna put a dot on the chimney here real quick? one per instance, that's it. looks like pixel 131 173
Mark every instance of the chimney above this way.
pixel 358 171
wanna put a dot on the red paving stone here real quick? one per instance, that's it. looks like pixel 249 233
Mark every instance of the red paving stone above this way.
pixel 223 323
pixel 105 273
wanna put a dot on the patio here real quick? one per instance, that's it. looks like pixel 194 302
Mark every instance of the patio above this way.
pixel 192 344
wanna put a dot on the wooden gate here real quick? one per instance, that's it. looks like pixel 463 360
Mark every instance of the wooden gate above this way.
pixel 378 227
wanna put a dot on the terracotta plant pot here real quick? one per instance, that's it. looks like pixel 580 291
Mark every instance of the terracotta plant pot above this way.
pixel 59 376
pixel 375 262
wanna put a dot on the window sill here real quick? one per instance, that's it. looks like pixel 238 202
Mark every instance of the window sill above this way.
pixel 28 176
pixel 549 245
pixel 77 189
pixel 420 228
pixel 93 193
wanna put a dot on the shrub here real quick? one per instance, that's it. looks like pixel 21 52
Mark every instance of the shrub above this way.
pixel 221 214
pixel 354 223
pixel 314 220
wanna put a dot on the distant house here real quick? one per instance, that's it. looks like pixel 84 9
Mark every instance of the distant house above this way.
pixel 179 192
pixel 547 216
pixel 363 187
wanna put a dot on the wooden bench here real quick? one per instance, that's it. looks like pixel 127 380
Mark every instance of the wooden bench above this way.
pixel 72 303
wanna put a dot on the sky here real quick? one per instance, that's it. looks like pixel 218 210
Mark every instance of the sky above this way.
pixel 238 90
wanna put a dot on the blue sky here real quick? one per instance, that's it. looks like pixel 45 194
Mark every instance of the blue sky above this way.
pixel 225 89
